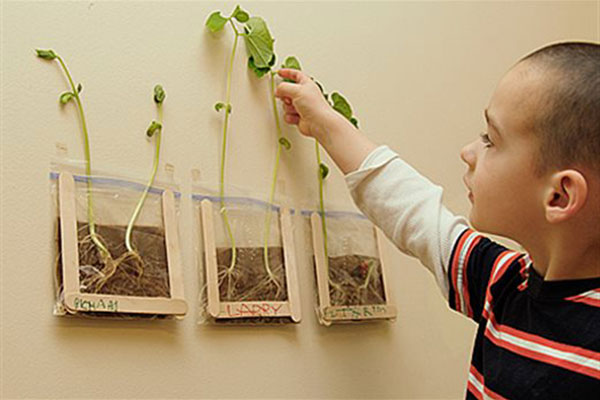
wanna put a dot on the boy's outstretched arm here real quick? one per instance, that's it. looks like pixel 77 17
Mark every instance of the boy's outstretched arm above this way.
pixel 406 206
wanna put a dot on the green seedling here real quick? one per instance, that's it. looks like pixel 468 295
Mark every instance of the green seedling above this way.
pixel 155 129
pixel 261 58
pixel 74 95
pixel 341 105
pixel 282 142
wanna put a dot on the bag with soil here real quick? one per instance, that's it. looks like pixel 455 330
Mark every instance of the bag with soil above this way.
pixel 97 274
pixel 248 260
pixel 351 281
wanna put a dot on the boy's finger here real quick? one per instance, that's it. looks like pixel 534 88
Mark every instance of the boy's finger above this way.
pixel 290 109
pixel 292 119
pixel 293 74
pixel 286 89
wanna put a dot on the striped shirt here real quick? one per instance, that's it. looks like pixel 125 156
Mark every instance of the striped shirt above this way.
pixel 536 339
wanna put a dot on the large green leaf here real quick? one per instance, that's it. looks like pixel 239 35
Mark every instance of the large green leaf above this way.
pixel 260 72
pixel 292 63
pixel 216 21
pixel 259 42
pixel 341 105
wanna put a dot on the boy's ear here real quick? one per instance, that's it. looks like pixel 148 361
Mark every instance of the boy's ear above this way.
pixel 567 194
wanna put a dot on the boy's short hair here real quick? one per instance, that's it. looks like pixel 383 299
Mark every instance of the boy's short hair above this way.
pixel 568 125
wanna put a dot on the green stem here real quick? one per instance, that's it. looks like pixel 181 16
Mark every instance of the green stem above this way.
pixel 140 204
pixel 274 180
pixel 224 147
pixel 321 201
pixel 88 163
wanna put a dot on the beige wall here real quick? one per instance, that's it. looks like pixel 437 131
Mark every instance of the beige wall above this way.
pixel 418 76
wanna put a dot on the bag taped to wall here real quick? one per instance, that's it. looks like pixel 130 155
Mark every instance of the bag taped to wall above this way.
pixel 247 259
pixel 350 275
pixel 98 273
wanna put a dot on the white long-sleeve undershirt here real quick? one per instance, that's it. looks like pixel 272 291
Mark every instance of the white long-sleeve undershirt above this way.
pixel 408 208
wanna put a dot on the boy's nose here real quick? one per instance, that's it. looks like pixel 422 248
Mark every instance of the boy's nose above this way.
pixel 467 154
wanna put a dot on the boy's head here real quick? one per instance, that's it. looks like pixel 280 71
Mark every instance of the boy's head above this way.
pixel 537 165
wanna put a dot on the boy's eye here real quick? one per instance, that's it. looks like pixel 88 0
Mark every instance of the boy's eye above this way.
pixel 485 138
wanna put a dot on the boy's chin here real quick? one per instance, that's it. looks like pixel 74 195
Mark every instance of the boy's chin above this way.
pixel 477 223
pixel 482 225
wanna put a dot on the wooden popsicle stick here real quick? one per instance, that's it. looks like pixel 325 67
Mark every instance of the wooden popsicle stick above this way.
pixel 251 309
pixel 210 258
pixel 354 313
pixel 124 304
pixel 320 260
pixel 172 245
pixel 289 253
pixel 388 296
pixel 68 232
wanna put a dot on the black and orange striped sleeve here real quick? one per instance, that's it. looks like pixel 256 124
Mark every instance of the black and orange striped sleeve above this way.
pixel 475 263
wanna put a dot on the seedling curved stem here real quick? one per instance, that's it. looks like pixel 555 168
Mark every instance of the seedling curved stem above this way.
pixel 155 128
pixel 321 200
pixel 224 148
pixel 280 144
pixel 74 94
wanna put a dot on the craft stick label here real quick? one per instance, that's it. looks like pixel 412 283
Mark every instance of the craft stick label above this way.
pixel 252 310
pixel 355 312
pixel 96 305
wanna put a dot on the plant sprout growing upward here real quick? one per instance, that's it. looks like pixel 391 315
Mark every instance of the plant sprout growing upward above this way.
pixel 155 129
pixel 341 105
pixel 64 99
pixel 259 45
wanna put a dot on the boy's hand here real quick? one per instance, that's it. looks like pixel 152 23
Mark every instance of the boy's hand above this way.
pixel 304 104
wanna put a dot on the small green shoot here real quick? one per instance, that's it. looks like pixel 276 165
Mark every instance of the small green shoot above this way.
pixel 155 129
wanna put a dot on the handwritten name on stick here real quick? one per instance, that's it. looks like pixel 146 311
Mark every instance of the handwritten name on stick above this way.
pixel 96 305
pixel 355 312
pixel 252 310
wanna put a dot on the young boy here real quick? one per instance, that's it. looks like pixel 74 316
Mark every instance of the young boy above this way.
pixel 534 177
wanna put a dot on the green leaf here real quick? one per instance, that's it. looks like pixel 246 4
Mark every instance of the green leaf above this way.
pixel 66 97
pixel 321 88
pixel 153 128
pixel 240 15
pixel 354 122
pixel 259 42
pixel 46 54
pixel 260 72
pixel 341 105
pixel 285 143
pixel 159 94
pixel 292 62
pixel 79 88
pixel 216 21
pixel 219 105
pixel 323 170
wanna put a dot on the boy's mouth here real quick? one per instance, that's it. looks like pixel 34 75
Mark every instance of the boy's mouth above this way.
pixel 470 193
